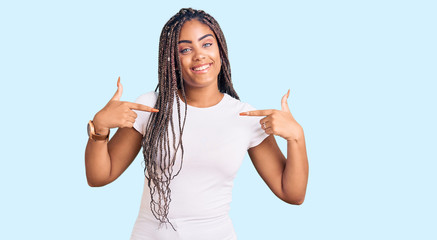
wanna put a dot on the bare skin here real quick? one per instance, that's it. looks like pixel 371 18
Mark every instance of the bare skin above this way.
pixel 105 162
pixel 287 177
pixel 198 47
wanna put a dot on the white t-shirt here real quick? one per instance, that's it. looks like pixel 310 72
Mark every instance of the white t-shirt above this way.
pixel 215 141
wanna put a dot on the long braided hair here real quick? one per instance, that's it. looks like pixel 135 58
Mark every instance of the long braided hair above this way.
pixel 158 160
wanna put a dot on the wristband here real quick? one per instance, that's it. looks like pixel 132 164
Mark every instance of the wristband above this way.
pixel 95 136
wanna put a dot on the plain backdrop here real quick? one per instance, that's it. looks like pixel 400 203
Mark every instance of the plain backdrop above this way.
pixel 362 76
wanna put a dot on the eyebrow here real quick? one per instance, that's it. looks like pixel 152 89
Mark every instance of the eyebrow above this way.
pixel 200 39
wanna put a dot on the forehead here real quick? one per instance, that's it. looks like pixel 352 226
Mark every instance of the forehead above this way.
pixel 193 30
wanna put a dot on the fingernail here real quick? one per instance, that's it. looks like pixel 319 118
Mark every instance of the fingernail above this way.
pixel 243 114
pixel 155 110
pixel 118 81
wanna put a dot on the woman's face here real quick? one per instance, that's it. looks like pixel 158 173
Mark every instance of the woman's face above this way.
pixel 199 54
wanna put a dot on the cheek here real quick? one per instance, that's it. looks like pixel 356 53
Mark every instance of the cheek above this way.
pixel 217 53
pixel 185 71
pixel 184 63
pixel 217 58
pixel 218 63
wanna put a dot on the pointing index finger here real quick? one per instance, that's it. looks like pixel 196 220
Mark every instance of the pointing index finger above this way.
pixel 141 107
pixel 257 112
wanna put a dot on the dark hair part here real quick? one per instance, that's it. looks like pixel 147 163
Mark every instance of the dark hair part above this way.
pixel 156 146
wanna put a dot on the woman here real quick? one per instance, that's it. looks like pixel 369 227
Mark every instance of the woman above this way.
pixel 194 138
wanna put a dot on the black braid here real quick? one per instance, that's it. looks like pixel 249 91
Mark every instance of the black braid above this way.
pixel 155 142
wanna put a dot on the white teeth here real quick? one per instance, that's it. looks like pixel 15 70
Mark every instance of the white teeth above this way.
pixel 201 68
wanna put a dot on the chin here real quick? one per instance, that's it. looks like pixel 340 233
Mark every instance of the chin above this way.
pixel 199 83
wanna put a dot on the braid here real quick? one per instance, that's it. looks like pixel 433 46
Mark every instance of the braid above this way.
pixel 158 160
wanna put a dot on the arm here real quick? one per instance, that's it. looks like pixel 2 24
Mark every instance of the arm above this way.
pixel 286 177
pixel 105 162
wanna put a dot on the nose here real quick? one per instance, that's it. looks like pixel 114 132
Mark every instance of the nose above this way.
pixel 199 54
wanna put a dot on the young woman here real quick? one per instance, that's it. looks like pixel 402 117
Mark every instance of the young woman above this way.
pixel 194 138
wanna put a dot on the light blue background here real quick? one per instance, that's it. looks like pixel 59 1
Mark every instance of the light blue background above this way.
pixel 362 76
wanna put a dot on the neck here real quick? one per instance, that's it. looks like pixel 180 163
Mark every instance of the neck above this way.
pixel 201 97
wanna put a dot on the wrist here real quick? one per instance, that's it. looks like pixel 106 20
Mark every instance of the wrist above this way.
pixel 96 136
pixel 296 136
pixel 99 129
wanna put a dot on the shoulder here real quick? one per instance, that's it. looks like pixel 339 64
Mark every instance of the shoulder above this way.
pixel 239 105
pixel 148 98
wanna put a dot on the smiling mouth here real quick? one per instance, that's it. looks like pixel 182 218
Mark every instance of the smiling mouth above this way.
pixel 202 68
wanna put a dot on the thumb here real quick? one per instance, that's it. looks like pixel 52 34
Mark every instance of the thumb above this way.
pixel 119 91
pixel 284 104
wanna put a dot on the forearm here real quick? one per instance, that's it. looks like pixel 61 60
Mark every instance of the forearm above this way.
pixel 295 175
pixel 97 163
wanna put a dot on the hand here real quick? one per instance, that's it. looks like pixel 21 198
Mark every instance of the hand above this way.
pixel 117 113
pixel 279 122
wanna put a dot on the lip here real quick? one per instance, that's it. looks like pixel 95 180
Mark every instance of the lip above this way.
pixel 201 65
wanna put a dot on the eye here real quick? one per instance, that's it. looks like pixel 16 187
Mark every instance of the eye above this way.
pixel 185 50
pixel 207 44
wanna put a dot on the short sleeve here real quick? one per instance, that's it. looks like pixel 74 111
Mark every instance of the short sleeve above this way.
pixel 257 134
pixel 148 99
